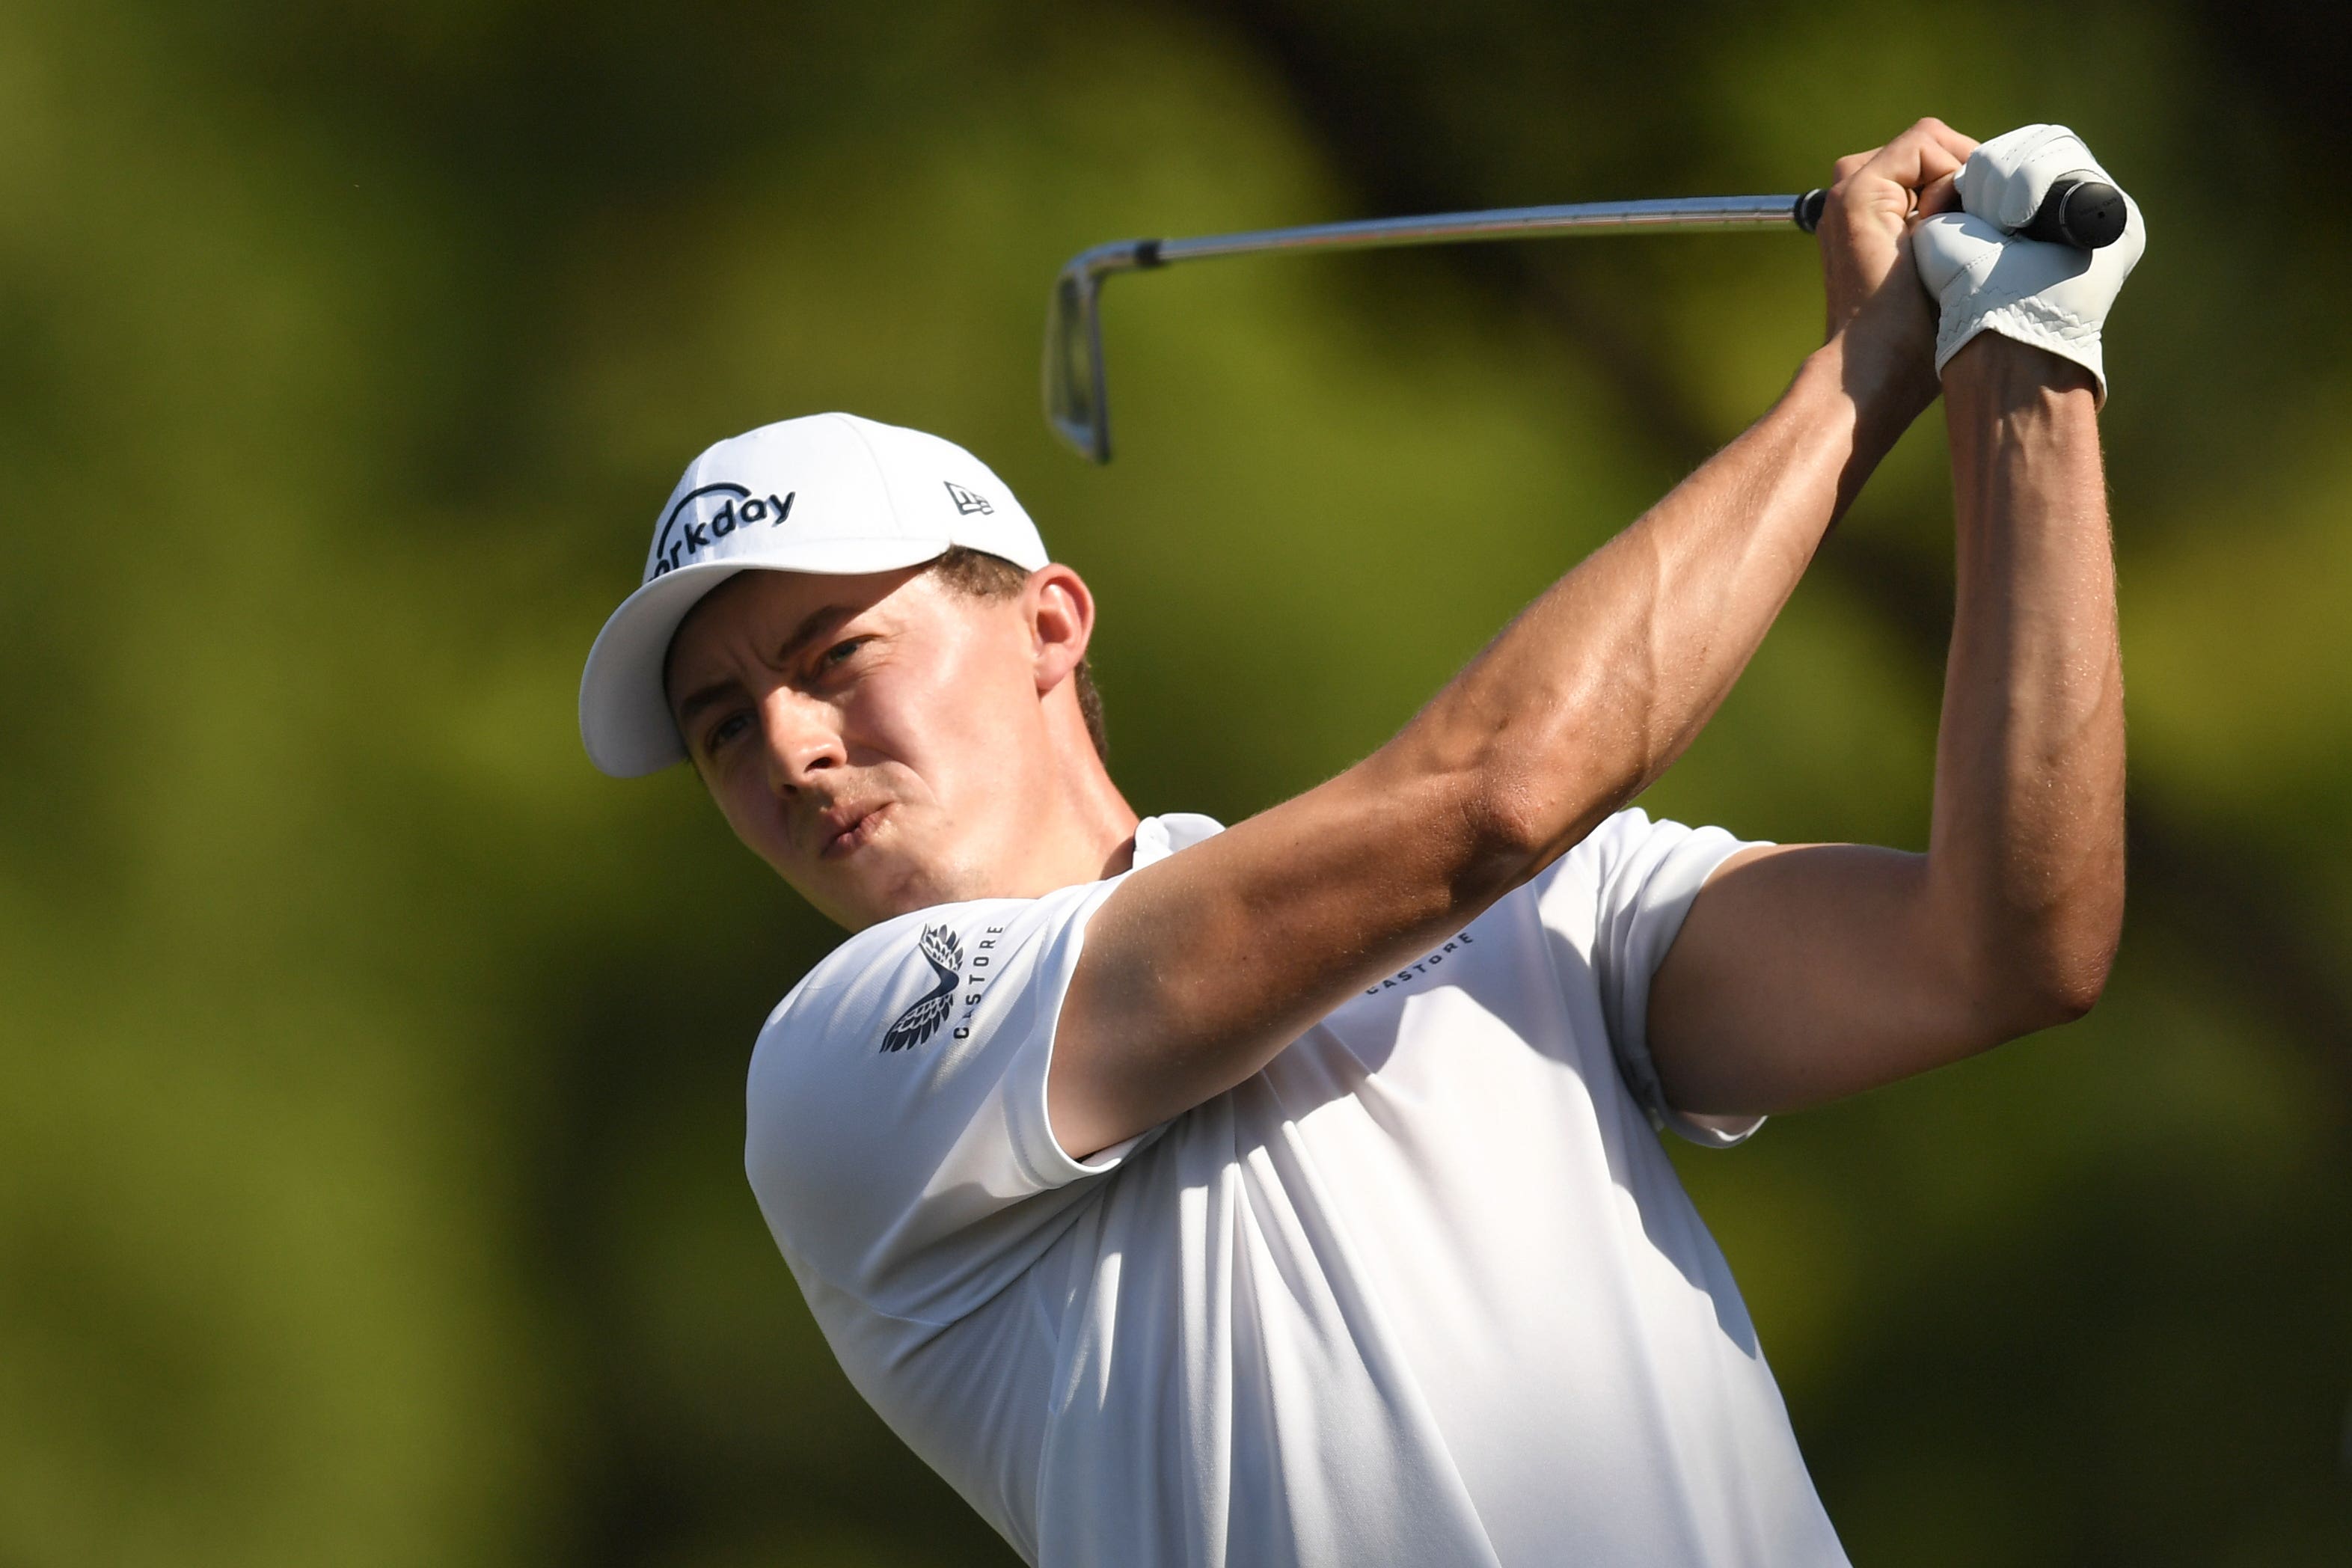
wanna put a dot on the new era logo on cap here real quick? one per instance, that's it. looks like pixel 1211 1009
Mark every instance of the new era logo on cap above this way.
pixel 968 502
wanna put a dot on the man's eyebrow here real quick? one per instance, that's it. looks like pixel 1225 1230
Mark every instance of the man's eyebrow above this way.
pixel 816 624
pixel 696 702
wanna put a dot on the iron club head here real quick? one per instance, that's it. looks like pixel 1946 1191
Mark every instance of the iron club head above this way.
pixel 1076 387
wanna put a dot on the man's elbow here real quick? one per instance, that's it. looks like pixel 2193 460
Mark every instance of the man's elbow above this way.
pixel 1519 817
pixel 2069 997
pixel 2044 989
pixel 1508 827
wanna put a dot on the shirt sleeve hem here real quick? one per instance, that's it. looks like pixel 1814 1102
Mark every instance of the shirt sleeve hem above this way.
pixel 1043 1158
pixel 1672 889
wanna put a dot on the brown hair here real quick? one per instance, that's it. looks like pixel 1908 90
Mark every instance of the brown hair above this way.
pixel 981 575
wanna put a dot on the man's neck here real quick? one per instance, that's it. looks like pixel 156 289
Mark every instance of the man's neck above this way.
pixel 1099 826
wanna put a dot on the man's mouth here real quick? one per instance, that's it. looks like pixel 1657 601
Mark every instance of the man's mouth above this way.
pixel 846 832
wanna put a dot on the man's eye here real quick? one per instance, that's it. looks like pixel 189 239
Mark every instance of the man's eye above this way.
pixel 839 654
pixel 725 730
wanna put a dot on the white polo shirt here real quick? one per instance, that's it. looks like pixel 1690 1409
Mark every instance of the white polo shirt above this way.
pixel 1424 1290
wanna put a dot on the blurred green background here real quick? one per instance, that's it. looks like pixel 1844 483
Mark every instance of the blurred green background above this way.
pixel 369 1158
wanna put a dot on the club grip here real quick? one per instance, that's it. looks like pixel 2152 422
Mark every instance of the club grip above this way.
pixel 2086 214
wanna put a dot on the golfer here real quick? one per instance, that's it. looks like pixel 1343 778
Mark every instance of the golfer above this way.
pixel 1289 1192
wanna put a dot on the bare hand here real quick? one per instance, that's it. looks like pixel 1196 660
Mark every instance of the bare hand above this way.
pixel 1876 300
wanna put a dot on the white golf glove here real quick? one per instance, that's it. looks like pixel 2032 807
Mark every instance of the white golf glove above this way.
pixel 1983 276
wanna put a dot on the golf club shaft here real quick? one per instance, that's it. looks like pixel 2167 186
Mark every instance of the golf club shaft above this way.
pixel 1696 213
pixel 1507 223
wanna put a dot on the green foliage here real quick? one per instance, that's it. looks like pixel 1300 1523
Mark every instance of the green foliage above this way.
pixel 369 1187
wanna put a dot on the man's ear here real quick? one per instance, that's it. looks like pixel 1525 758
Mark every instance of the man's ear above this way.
pixel 1060 611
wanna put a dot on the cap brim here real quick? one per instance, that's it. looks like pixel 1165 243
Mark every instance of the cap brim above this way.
pixel 624 718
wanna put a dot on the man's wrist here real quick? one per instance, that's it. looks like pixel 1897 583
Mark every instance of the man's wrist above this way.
pixel 1883 395
pixel 2002 371
pixel 2016 415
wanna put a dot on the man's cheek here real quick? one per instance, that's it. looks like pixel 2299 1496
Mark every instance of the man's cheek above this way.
pixel 755 823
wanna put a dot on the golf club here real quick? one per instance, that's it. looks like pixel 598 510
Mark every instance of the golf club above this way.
pixel 2086 213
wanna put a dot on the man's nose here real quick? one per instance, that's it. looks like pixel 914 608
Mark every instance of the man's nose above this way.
pixel 804 740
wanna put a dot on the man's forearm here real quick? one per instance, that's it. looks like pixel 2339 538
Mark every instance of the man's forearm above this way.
pixel 2026 856
pixel 1602 682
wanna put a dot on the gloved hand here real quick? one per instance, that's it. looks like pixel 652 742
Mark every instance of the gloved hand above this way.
pixel 1982 275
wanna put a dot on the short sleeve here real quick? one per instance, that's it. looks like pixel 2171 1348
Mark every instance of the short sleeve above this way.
pixel 1647 874
pixel 896 1133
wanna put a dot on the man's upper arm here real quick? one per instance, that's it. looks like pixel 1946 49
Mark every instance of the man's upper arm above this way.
pixel 1807 972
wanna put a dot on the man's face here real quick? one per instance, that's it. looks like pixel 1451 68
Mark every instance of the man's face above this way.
pixel 876 739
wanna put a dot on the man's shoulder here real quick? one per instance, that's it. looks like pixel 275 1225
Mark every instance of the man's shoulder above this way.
pixel 902 976
pixel 924 947
pixel 884 944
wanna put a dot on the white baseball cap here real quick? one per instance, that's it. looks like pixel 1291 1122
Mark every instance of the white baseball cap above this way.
pixel 829 493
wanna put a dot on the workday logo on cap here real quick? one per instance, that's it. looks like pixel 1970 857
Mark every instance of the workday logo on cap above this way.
pixel 703 517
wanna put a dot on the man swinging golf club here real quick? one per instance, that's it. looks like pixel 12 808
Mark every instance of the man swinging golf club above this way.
pixel 1288 1193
